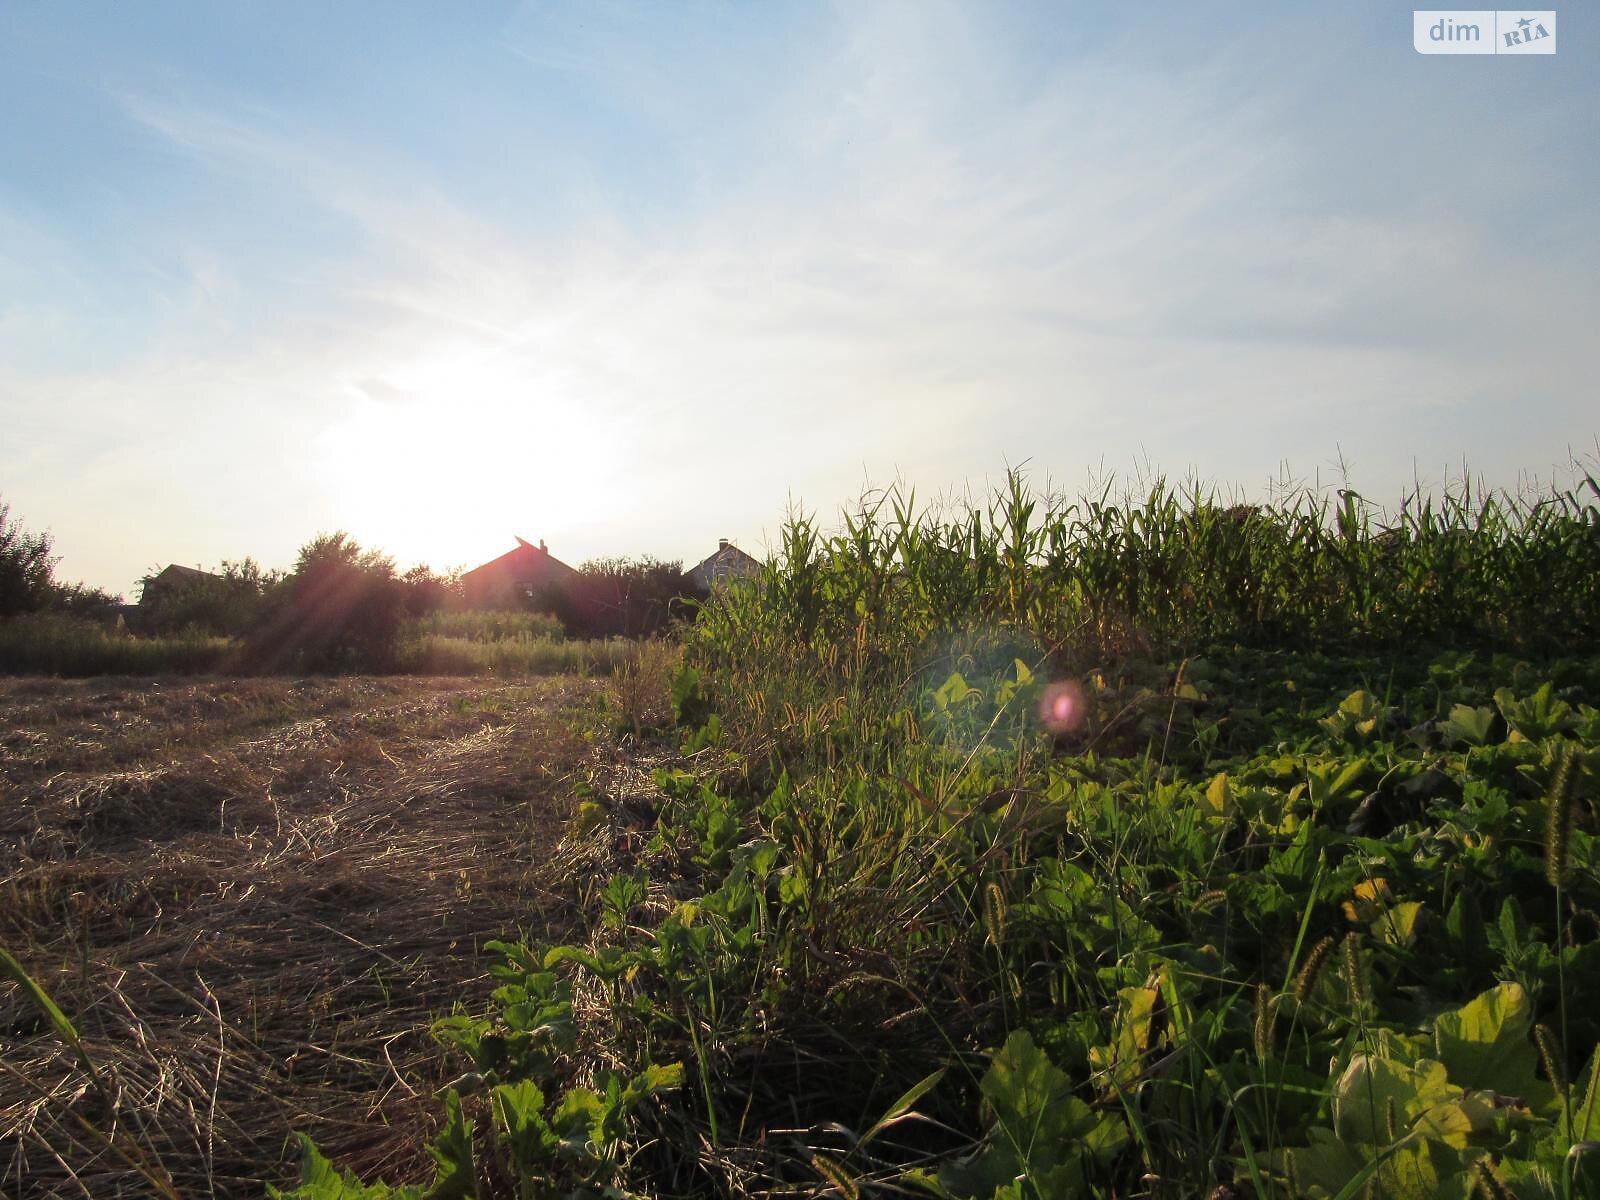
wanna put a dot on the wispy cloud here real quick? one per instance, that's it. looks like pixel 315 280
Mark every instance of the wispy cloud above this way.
pixel 926 252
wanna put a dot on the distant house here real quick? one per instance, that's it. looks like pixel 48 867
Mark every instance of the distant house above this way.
pixel 515 577
pixel 172 581
pixel 729 562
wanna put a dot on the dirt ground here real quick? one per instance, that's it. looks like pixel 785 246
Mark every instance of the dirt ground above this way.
pixel 252 897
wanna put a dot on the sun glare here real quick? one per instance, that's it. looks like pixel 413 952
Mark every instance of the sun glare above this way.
pixel 443 466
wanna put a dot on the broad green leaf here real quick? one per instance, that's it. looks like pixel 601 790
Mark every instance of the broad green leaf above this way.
pixel 1464 923
pixel 1358 716
pixel 928 1182
pixel 1468 725
pixel 609 964
pixel 1484 1045
pixel 1032 1101
pixel 1369 900
pixel 1422 1170
pixel 1065 1182
pixel 1124 1058
pixel 792 887
pixel 954 690
pixel 320 1180
pixel 451 1151
pixel 1586 1103
pixel 519 1108
pixel 1511 925
pixel 580 1120
pixel 1377 1100
pixel 1536 717
pixel 1413 1167
pixel 1324 1166
pixel 1344 783
pixel 655 1078
pixel 1039 1128
pixel 1454 1123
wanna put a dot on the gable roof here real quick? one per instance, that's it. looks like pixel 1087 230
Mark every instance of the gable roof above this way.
pixel 727 561
pixel 173 577
pixel 525 558
pixel 518 574
pixel 176 571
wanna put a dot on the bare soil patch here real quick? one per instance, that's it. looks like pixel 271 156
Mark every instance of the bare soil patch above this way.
pixel 253 897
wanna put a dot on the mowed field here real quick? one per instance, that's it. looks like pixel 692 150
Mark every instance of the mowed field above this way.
pixel 253 896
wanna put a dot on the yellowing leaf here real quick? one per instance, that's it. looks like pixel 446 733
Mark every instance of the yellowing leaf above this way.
pixel 1131 1039
pixel 1485 1044
pixel 1377 1100
pixel 1218 795
pixel 1398 925
pixel 1368 902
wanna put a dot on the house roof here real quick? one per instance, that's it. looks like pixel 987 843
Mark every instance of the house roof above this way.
pixel 727 560
pixel 526 555
pixel 174 575
pixel 179 571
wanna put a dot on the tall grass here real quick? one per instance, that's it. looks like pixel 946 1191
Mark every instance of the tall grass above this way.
pixel 516 654
pixel 475 626
pixel 50 644
pixel 1086 581
pixel 505 644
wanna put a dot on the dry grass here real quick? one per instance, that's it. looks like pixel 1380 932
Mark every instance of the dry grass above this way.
pixel 253 898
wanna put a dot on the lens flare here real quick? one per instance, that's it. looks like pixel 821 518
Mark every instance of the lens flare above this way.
pixel 1061 708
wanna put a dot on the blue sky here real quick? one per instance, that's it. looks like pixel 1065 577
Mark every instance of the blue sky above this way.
pixel 633 277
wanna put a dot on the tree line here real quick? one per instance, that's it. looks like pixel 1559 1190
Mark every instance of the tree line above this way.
pixel 341 606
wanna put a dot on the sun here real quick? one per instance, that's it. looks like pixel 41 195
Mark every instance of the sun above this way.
pixel 442 466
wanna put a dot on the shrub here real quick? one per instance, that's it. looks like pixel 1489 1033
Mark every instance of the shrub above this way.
pixel 621 597
pixel 427 591
pixel 227 603
pixel 79 599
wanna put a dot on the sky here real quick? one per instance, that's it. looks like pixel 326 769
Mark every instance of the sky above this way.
pixel 633 277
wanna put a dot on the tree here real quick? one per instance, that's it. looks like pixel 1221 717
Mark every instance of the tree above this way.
pixel 26 567
pixel 339 609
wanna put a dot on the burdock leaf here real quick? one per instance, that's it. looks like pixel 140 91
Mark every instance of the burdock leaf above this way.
pixel 452 1153
pixel 1468 724
pixel 1485 1046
